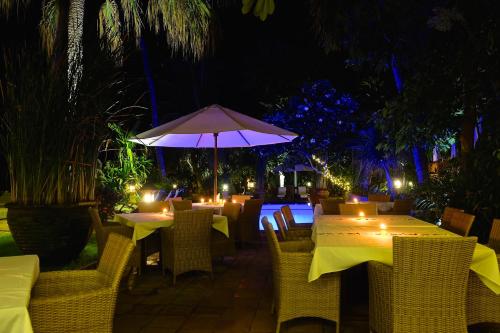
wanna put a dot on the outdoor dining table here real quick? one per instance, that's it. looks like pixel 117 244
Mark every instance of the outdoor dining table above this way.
pixel 215 207
pixel 382 207
pixel 144 224
pixel 344 241
pixel 17 276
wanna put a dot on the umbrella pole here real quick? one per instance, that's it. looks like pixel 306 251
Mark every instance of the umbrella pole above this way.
pixel 216 163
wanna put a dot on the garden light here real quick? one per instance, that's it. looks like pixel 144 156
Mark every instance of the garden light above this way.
pixel 164 211
pixel 355 200
pixel 250 184
pixel 149 197
pixel 308 184
pixel 202 200
pixel 234 201
pixel 225 187
pixel 210 200
pixel 398 184
pixel 174 186
pixel 131 188
pixel 410 184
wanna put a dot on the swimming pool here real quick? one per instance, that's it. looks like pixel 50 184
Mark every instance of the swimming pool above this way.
pixel 303 213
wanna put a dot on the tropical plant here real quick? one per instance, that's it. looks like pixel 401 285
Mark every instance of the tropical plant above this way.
pixel 125 167
pixel 51 145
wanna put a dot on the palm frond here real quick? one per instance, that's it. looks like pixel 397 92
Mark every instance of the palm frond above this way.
pixel 132 16
pixel 75 46
pixel 110 28
pixel 186 24
pixel 6 6
pixel 48 25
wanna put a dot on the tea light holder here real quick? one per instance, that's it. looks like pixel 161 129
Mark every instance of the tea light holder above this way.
pixel 234 201
pixel 383 226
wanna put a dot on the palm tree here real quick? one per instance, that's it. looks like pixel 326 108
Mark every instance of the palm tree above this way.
pixel 185 23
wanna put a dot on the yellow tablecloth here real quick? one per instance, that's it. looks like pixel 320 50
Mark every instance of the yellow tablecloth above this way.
pixel 17 277
pixel 342 242
pixel 145 224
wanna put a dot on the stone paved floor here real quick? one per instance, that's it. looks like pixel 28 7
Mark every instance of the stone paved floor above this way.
pixel 237 300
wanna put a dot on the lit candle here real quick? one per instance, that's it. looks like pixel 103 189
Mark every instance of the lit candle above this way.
pixel 210 200
pixel 383 226
pixel 361 214
pixel 202 200
pixel 164 211
pixel 355 200
pixel 234 201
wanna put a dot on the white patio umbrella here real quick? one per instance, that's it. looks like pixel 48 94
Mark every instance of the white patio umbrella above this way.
pixel 215 127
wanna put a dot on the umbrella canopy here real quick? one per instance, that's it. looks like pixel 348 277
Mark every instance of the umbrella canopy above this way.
pixel 215 127
pixel 196 130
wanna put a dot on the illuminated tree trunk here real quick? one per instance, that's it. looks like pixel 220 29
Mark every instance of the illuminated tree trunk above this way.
pixel 154 106
pixel 420 169
pixel 75 45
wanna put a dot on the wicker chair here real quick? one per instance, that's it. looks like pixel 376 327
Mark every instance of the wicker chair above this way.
pixel 483 305
pixel 460 223
pixel 102 230
pixel 402 207
pixel 240 198
pixel 425 290
pixel 249 222
pixel 179 205
pixel 186 245
pixel 220 244
pixel 287 234
pixel 377 197
pixel 294 296
pixel 290 220
pixel 494 240
pixel 331 206
pixel 355 209
pixel 447 214
pixel 81 301
pixel 152 207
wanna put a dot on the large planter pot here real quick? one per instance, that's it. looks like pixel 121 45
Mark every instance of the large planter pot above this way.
pixel 323 193
pixel 57 234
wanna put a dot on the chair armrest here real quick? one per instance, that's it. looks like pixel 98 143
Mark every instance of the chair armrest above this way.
pixel 297 246
pixel 119 229
pixel 60 282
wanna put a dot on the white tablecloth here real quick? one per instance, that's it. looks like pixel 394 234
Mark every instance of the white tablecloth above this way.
pixel 17 276
pixel 216 208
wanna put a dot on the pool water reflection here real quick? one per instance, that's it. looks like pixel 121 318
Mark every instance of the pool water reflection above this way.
pixel 303 213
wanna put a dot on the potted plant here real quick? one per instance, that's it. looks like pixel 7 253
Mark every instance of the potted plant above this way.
pixel 51 146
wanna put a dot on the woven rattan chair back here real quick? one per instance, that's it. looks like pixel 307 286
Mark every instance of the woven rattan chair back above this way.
pixel 152 207
pixel 447 214
pixel 281 225
pixel 288 216
pixel 355 209
pixel 402 207
pixel 430 282
pixel 115 258
pixel 494 240
pixel 461 223
pixel 232 211
pixel 100 234
pixel 186 245
pixel 331 206
pixel 378 197
pixel 240 198
pixel 249 221
pixel 294 296
pixel 483 305
pixel 180 205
